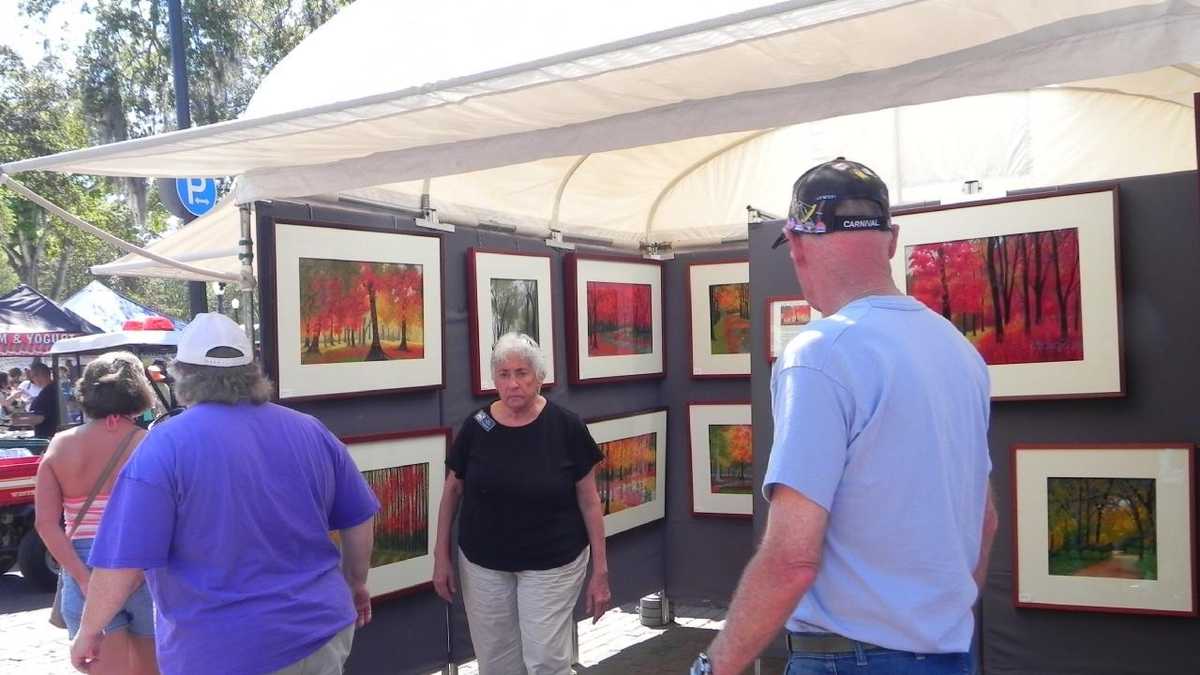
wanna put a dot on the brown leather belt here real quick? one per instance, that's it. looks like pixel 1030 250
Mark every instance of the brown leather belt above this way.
pixel 824 643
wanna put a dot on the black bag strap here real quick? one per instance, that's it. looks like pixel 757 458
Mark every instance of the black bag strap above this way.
pixel 104 476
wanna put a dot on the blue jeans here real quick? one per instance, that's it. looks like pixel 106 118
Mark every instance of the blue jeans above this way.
pixel 878 662
pixel 137 616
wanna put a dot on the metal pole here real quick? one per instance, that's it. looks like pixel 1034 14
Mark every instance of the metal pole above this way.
pixel 248 282
pixel 197 290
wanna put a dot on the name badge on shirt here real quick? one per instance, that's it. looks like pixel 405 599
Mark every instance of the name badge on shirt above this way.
pixel 485 420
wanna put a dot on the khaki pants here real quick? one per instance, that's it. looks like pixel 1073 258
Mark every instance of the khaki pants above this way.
pixel 328 660
pixel 521 621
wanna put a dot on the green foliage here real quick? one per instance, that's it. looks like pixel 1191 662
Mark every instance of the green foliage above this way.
pixel 120 87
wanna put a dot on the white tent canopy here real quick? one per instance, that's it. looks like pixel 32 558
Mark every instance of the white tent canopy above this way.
pixel 666 134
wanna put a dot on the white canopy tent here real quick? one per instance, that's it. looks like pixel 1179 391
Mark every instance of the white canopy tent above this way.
pixel 666 134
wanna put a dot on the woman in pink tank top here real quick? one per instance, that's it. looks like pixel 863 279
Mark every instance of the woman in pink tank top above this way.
pixel 112 392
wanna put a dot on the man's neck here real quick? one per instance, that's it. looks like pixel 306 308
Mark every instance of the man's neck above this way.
pixel 838 298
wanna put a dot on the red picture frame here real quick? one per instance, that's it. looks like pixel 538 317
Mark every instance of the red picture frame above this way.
pixel 692 466
pixel 703 364
pixel 769 325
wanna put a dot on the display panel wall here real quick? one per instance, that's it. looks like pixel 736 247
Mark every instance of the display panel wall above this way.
pixel 1159 243
pixel 698 561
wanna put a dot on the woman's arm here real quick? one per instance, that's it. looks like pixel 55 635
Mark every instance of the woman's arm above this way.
pixel 48 506
pixel 443 565
pixel 598 594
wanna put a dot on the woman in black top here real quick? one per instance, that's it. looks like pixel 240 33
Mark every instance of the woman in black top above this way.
pixel 522 468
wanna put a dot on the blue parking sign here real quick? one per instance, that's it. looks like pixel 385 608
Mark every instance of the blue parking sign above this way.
pixel 197 195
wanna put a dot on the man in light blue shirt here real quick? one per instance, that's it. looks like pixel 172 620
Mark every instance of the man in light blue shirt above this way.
pixel 881 517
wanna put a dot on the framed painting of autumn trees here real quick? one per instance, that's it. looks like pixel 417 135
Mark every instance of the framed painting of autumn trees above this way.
pixel 508 292
pixel 787 315
pixel 614 318
pixel 356 311
pixel 1031 281
pixel 722 459
pixel 632 477
pixel 406 471
pixel 719 310
pixel 1105 528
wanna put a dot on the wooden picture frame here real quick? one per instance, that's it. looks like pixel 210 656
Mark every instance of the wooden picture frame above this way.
pixel 635 498
pixel 397 465
pixel 520 283
pixel 781 327
pixel 319 338
pixel 719 319
pixel 1052 257
pixel 722 479
pixel 614 318
pixel 1127 495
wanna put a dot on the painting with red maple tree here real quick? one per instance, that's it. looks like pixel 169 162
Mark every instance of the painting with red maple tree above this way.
pixel 360 311
pixel 795 314
pixel 729 318
pixel 730 456
pixel 1016 297
pixel 618 319
pixel 628 475
pixel 402 523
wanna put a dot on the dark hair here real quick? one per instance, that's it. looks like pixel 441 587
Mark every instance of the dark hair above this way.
pixel 3 379
pixel 14 373
pixel 114 384
pixel 39 368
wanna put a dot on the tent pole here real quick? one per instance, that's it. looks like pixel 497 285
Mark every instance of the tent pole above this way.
pixel 20 188
pixel 247 282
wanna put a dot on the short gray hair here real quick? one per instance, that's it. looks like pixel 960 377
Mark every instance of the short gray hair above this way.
pixel 215 384
pixel 523 347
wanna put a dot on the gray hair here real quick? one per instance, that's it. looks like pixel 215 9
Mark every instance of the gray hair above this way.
pixel 215 384
pixel 523 347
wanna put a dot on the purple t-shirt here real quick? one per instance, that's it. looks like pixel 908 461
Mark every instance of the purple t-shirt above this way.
pixel 229 509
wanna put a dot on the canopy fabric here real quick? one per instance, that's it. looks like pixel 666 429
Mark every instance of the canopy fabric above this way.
pixel 24 310
pixel 121 339
pixel 209 242
pixel 108 309
pixel 666 136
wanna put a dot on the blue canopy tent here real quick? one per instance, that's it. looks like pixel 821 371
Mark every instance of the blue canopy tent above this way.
pixel 109 310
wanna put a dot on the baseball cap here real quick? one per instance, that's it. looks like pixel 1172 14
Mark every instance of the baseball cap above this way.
pixel 210 331
pixel 821 187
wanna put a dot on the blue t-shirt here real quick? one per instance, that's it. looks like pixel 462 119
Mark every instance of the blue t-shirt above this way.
pixel 228 508
pixel 881 415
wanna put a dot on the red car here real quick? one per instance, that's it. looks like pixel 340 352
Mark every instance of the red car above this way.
pixel 19 541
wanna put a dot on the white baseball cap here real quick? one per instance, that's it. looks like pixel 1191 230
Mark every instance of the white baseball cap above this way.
pixel 209 331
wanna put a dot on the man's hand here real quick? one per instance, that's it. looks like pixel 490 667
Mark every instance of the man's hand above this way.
pixel 362 604
pixel 598 596
pixel 85 650
pixel 443 578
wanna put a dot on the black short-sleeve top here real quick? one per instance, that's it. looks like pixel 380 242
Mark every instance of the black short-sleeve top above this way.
pixel 519 508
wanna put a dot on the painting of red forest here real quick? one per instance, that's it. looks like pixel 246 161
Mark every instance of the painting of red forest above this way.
pixel 795 315
pixel 729 318
pixel 360 311
pixel 627 476
pixel 618 319
pixel 402 524
pixel 729 458
pixel 1015 297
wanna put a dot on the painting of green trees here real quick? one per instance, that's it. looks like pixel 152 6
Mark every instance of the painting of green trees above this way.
pixel 1102 527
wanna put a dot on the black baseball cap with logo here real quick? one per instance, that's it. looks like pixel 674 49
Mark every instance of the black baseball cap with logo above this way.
pixel 820 188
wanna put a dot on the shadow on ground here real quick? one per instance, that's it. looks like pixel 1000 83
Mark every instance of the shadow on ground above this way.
pixel 18 595
pixel 671 652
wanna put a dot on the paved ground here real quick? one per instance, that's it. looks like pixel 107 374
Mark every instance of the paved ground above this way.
pixel 618 645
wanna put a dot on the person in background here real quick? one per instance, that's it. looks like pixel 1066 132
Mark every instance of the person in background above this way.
pixel 43 410
pixel 524 470
pixel 113 390
pixel 881 517
pixel 21 389
pixel 228 508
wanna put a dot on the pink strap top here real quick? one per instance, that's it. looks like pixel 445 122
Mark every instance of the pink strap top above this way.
pixel 91 521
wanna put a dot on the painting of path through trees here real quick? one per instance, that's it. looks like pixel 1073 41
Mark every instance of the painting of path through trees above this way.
pixel 360 311
pixel 1015 297
pixel 628 475
pixel 618 319
pixel 729 318
pixel 402 524
pixel 515 307
pixel 1102 527
pixel 730 457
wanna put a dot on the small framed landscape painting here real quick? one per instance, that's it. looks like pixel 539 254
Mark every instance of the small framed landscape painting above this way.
pixel 614 318
pixel 719 311
pixel 406 471
pixel 355 312
pixel 787 315
pixel 722 459
pixel 508 293
pixel 1031 281
pixel 632 477
pixel 1105 528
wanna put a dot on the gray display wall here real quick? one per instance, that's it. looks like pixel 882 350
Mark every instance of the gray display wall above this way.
pixel 1159 245
pixel 696 558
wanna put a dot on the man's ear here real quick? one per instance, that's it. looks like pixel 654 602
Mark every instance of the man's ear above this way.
pixel 894 241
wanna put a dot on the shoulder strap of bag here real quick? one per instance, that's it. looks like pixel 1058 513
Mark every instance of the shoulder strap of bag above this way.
pixel 104 476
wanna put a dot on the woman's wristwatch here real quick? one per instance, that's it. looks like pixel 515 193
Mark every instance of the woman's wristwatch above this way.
pixel 701 666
